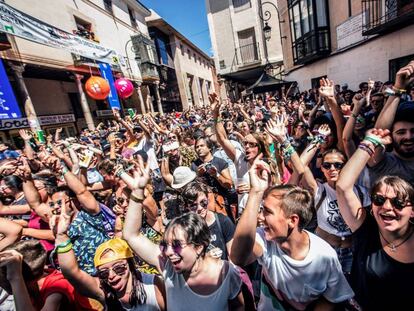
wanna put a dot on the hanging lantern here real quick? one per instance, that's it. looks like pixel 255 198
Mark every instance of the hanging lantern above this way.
pixel 97 88
pixel 124 87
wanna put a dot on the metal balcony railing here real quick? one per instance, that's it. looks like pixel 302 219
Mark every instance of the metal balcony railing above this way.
pixel 313 45
pixel 247 54
pixel 386 15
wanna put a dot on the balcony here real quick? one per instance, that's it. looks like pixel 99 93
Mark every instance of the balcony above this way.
pixel 313 45
pixel 146 56
pixel 85 34
pixel 247 55
pixel 382 16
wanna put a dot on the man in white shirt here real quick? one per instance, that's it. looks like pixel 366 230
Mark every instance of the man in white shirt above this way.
pixel 299 268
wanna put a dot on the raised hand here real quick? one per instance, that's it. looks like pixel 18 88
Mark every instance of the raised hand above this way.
pixel 12 261
pixel 25 135
pixel 116 114
pixel 277 129
pixel 371 84
pixel 327 88
pixel 404 76
pixel 60 223
pixel 324 130
pixel 384 136
pixel 214 104
pixel 259 175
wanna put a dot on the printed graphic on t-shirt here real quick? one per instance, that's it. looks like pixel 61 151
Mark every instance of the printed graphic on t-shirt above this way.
pixel 334 217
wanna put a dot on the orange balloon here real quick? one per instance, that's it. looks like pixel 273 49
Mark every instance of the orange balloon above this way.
pixel 97 88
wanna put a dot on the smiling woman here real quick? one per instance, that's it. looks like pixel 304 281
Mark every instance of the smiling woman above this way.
pixel 383 239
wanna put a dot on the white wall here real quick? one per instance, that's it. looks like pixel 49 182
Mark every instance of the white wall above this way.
pixel 369 60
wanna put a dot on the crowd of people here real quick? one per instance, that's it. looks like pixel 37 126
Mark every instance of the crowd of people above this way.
pixel 286 201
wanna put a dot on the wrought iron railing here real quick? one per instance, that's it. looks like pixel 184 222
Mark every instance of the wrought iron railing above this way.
pixel 385 15
pixel 247 54
pixel 313 45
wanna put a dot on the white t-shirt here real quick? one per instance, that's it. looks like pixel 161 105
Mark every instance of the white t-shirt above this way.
pixel 147 145
pixel 299 282
pixel 220 153
pixel 329 217
pixel 242 171
pixel 151 303
pixel 181 297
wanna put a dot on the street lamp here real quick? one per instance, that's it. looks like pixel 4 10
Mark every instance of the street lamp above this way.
pixel 265 16
pixel 267 30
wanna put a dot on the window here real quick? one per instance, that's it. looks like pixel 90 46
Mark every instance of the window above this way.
pixel 84 29
pixel 240 5
pixel 162 51
pixel 309 28
pixel 108 5
pixel 248 51
pixel 222 64
pixel 182 49
pixel 189 54
pixel 132 17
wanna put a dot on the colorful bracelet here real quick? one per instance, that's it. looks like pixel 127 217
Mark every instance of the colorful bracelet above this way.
pixel 62 250
pixel 375 140
pixel 64 244
pixel 366 148
pixel 218 120
pixel 119 173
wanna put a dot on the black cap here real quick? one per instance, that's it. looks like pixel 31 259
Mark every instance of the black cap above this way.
pixel 405 112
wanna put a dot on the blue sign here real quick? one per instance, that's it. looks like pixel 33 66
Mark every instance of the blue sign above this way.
pixel 9 109
pixel 106 73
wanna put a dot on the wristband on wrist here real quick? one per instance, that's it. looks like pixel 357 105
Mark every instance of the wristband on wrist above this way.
pixel 67 248
pixel 366 148
pixel 218 120
pixel 354 115
pixel 374 140
pixel 64 244
pixel 136 199
pixel 120 172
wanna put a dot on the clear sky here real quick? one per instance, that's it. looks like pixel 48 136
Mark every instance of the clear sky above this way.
pixel 187 16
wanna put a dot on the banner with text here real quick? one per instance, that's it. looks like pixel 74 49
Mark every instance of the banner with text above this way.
pixel 16 23
pixel 106 73
pixel 9 107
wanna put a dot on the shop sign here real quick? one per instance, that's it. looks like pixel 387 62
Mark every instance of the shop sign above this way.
pixel 19 24
pixel 43 120
pixel 8 104
pixel 104 113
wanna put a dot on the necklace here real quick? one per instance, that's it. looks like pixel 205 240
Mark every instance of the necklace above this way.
pixel 393 247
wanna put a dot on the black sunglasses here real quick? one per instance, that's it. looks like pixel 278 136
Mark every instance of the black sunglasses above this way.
pixel 328 165
pixel 194 207
pixel 103 274
pixel 380 200
pixel 176 245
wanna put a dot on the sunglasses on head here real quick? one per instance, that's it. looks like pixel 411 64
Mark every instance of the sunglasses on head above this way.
pixel 120 269
pixel 328 165
pixel 380 200
pixel 176 245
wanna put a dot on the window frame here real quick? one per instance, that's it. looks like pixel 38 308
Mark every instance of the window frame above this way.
pixel 316 42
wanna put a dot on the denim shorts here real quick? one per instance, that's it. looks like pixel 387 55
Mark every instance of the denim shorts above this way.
pixel 345 258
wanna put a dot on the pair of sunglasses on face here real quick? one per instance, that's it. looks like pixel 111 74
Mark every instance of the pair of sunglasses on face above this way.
pixel 336 165
pixel 176 245
pixel 194 207
pixel 380 200
pixel 119 270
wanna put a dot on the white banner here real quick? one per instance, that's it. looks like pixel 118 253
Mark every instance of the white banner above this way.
pixel 43 120
pixel 16 23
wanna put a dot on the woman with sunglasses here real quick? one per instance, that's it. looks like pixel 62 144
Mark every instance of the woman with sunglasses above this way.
pixel 383 239
pixel 330 225
pixel 221 227
pixel 193 280
pixel 118 284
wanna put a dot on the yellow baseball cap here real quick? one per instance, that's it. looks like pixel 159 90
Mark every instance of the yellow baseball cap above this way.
pixel 119 248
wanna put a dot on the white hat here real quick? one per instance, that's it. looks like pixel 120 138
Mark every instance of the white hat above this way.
pixel 182 175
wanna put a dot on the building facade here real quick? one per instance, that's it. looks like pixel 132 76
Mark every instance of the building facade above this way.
pixel 242 47
pixel 348 41
pixel 49 82
pixel 187 74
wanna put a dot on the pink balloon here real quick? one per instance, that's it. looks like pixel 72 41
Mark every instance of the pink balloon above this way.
pixel 124 87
